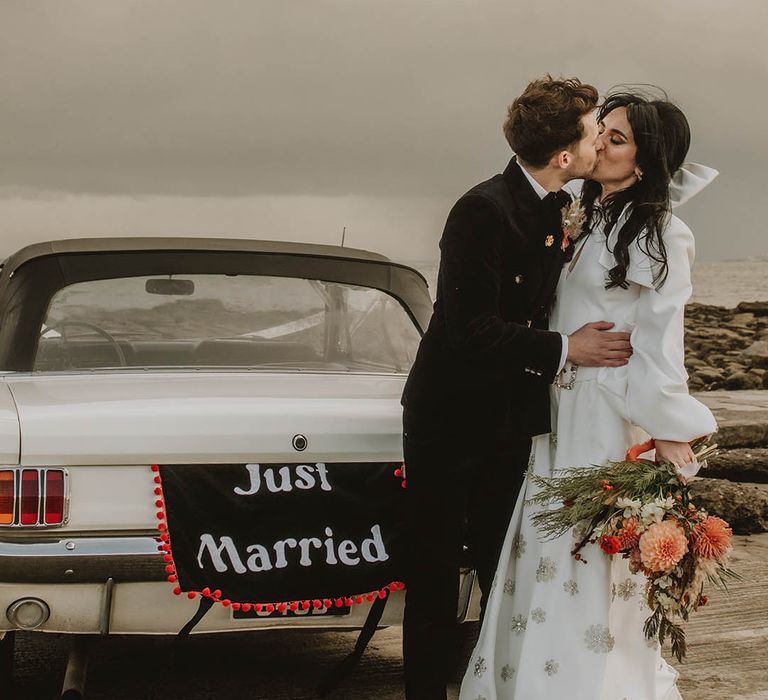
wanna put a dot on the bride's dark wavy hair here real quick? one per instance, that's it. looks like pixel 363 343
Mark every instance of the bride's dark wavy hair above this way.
pixel 662 136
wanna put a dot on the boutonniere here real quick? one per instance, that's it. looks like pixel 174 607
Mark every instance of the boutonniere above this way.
pixel 573 217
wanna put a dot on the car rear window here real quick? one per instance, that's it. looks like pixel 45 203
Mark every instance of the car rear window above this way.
pixel 212 320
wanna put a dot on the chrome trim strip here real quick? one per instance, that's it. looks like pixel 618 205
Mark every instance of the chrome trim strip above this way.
pixel 82 560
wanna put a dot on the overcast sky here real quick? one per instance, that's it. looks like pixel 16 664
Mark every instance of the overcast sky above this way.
pixel 291 119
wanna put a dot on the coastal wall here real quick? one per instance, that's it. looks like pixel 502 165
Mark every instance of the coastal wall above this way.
pixel 727 348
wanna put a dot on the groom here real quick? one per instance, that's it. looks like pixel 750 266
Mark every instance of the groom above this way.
pixel 479 388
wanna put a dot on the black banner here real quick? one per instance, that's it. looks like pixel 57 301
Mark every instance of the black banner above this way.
pixel 266 533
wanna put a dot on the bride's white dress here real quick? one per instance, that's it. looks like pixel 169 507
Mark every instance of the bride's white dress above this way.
pixel 557 628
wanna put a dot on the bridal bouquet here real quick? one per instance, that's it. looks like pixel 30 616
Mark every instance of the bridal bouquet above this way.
pixel 642 511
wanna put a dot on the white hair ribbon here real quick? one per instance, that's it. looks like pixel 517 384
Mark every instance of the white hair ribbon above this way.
pixel 688 181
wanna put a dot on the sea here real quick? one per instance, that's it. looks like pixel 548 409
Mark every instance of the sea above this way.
pixel 722 283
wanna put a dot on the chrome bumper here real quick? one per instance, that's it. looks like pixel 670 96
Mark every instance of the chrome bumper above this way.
pixel 81 560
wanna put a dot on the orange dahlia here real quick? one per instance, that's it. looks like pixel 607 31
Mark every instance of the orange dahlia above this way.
pixel 628 534
pixel 711 538
pixel 662 546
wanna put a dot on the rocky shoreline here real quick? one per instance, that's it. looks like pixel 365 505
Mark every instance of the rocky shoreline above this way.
pixel 727 348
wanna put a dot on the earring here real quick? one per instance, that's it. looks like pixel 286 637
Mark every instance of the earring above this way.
pixel 639 174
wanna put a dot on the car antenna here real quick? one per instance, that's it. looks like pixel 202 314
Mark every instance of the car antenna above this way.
pixel 343 235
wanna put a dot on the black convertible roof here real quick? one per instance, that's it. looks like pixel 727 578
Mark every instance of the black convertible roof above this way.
pixel 245 245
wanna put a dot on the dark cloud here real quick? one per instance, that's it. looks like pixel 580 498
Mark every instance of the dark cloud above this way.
pixel 381 99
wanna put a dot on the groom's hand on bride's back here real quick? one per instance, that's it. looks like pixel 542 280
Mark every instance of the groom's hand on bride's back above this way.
pixel 595 345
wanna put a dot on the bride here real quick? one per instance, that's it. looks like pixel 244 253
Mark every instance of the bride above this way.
pixel 557 628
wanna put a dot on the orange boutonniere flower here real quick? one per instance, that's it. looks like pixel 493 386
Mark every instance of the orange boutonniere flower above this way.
pixel 549 240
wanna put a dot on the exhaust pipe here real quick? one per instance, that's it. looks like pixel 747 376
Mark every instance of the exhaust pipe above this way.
pixel 77 665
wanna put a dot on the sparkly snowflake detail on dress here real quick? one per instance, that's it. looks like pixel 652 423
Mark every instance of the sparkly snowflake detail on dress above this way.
pixel 506 673
pixel 538 615
pixel 547 570
pixel 518 546
pixel 509 587
pixel 480 666
pixel 598 639
pixel 519 623
pixel 571 587
pixel 553 438
pixel 531 460
pixel 551 667
pixel 626 589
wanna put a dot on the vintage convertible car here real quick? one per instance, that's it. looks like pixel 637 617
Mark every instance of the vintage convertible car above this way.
pixel 120 354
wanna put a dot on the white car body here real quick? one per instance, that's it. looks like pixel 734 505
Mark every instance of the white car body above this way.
pixel 101 571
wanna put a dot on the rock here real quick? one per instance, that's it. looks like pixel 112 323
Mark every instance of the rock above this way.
pixel 744 506
pixel 757 354
pixel 693 362
pixel 716 359
pixel 742 380
pixel 743 319
pixel 757 308
pixel 739 464
pixel 742 417
pixel 707 375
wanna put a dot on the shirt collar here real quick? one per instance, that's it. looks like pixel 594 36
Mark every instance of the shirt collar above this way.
pixel 537 188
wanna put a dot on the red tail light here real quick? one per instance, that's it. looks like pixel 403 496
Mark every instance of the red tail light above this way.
pixel 33 497
pixel 54 497
pixel 30 497
pixel 7 496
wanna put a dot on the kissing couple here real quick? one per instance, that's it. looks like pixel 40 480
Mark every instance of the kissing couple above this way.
pixel 556 341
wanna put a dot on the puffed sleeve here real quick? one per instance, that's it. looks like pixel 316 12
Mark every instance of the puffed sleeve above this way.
pixel 657 392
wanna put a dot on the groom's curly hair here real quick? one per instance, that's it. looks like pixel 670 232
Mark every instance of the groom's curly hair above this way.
pixel 546 118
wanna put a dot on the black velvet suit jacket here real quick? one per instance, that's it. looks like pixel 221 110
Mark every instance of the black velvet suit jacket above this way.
pixel 486 361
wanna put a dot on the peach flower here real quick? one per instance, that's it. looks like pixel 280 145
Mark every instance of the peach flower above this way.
pixel 628 534
pixel 711 538
pixel 662 546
